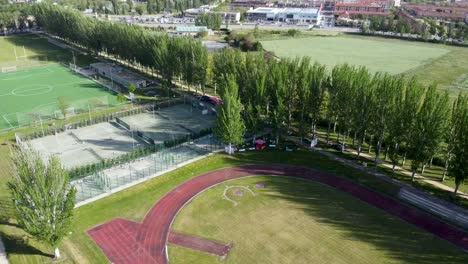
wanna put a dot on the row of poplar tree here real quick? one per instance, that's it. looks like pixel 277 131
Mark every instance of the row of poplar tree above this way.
pixel 181 57
pixel 395 115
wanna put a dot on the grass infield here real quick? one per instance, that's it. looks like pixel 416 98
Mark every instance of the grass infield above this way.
pixel 298 221
pixel 38 90
pixel 134 203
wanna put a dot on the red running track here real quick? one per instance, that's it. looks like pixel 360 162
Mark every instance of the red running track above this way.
pixel 124 242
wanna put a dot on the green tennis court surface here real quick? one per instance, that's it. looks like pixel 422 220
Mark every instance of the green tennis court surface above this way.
pixel 29 95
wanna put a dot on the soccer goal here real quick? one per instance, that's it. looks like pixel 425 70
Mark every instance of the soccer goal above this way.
pixel 9 69
pixel 58 114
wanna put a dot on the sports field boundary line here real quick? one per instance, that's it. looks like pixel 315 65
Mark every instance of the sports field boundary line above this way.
pixel 6 119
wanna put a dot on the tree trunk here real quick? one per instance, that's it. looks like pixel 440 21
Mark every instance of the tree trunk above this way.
pixel 386 153
pixel 370 144
pixel 354 138
pixel 344 143
pixel 404 160
pixel 328 132
pixel 423 168
pixel 430 162
pixel 395 159
pixel 56 253
pixel 445 169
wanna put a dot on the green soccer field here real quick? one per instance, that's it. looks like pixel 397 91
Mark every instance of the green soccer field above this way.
pixel 37 91
pixel 376 54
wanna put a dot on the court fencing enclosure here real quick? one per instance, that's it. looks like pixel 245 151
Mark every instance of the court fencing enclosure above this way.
pixel 127 147
pixel 114 178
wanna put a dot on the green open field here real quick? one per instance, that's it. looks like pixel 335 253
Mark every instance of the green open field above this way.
pixel 37 90
pixel 36 49
pixel 346 220
pixel 297 221
pixel 445 65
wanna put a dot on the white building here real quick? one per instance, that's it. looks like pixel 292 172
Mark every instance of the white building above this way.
pixel 118 74
pixel 294 15
pixel 192 30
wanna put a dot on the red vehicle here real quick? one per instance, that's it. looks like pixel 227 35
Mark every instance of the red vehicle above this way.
pixel 260 144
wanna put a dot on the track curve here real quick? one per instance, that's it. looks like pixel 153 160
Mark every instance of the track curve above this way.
pixel 151 236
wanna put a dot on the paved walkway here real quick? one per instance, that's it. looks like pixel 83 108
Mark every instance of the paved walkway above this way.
pixel 3 255
pixel 404 171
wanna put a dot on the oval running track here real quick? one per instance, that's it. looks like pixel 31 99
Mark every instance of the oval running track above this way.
pixel 150 237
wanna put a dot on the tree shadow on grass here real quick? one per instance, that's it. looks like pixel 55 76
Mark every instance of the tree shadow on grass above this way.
pixel 6 211
pixel 21 246
pixel 356 220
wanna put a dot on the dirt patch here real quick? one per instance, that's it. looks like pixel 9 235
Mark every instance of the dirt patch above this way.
pixel 260 185
pixel 238 192
pixel 199 244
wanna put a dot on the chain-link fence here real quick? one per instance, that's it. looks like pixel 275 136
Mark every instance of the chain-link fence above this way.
pixel 125 174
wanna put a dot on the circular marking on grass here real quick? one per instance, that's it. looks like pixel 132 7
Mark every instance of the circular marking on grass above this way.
pixel 237 192
pixel 32 90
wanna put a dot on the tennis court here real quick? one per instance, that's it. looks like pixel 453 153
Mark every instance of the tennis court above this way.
pixel 34 93
pixel 178 121
pixel 88 145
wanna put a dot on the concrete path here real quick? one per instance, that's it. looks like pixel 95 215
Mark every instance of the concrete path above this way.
pixel 405 172
pixel 3 255
pixel 383 163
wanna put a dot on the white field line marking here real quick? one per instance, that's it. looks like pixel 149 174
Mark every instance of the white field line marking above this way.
pixel 11 126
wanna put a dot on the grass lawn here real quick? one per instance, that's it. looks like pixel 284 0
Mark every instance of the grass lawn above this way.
pixel 297 221
pixel 134 203
pixel 377 55
pixel 445 65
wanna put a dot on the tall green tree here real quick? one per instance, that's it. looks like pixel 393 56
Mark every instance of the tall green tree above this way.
pixel 229 126
pixel 383 102
pixel 429 127
pixel 42 197
pixel 318 82
pixel 459 144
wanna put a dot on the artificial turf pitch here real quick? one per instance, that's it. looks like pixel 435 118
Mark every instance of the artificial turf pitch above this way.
pixel 37 90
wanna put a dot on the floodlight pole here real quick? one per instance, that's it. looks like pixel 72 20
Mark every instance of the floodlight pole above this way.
pixel 133 140
pixel 89 112
pixel 42 128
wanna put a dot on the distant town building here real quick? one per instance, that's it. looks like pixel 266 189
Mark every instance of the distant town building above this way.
pixel 438 12
pixel 228 16
pixel 361 8
pixel 296 15
pixel 251 3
